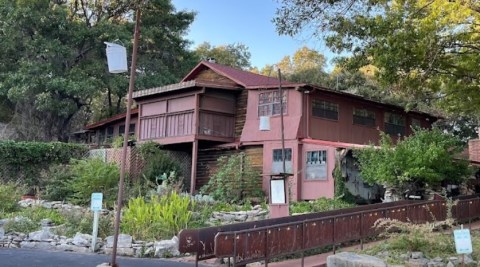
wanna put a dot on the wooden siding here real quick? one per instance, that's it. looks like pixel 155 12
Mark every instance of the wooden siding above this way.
pixel 207 162
pixel 241 112
pixel 211 76
pixel 216 124
pixel 170 125
pixel 344 130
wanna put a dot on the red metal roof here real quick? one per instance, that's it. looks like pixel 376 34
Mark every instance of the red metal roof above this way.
pixel 111 119
pixel 248 80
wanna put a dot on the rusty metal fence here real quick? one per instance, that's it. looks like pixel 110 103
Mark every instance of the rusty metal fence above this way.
pixel 267 239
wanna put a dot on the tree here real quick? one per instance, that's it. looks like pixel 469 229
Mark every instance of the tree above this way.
pixel 429 158
pixel 427 49
pixel 233 55
pixel 53 63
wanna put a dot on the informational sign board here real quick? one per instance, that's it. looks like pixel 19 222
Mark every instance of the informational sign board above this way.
pixel 277 190
pixel 463 241
pixel 96 202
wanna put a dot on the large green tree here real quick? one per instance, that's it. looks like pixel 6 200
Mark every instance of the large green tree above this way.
pixel 235 55
pixel 53 63
pixel 426 49
pixel 428 158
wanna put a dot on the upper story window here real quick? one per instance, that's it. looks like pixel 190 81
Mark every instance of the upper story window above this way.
pixel 364 117
pixel 324 109
pixel 394 124
pixel 269 103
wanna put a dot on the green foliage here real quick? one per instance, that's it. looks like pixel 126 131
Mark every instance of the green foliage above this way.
pixel 94 175
pixel 24 161
pixel 234 55
pixel 160 217
pixel 28 219
pixel 58 183
pixel 427 157
pixel 81 222
pixel 234 181
pixel 425 50
pixel 53 63
pixel 157 163
pixel 318 205
pixel 10 194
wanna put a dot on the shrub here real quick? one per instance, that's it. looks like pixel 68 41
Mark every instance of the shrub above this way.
pixel 94 175
pixel 26 160
pixel 319 205
pixel 10 194
pixel 234 181
pixel 81 222
pixel 28 220
pixel 161 217
pixel 58 183
pixel 157 162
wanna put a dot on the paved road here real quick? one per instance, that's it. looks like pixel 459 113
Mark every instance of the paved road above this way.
pixel 40 258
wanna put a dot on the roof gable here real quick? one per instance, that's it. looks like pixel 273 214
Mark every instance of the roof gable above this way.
pixel 246 79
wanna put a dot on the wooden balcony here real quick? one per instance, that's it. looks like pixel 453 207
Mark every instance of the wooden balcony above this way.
pixel 180 125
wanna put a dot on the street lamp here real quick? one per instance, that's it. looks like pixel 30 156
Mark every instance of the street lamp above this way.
pixel 121 182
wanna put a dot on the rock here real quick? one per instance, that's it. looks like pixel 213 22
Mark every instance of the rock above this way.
pixel 436 264
pixel 417 263
pixel 121 251
pixel 80 249
pixel 416 255
pixel 352 259
pixel 105 264
pixel 450 264
pixel 167 248
pixel 37 245
pixel 124 241
pixel 64 247
pixel 42 235
pixel 46 222
pixel 82 240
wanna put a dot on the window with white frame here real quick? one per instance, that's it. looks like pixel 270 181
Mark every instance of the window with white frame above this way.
pixel 316 165
pixel 269 103
pixel 277 162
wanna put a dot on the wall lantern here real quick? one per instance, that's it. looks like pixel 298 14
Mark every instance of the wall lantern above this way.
pixel 264 123
pixel 116 58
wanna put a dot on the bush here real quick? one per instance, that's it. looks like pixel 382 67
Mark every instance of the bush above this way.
pixel 26 160
pixel 318 205
pixel 10 194
pixel 161 217
pixel 81 222
pixel 93 175
pixel 157 163
pixel 58 183
pixel 234 181
pixel 28 220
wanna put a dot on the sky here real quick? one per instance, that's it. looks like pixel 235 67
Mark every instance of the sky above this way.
pixel 222 22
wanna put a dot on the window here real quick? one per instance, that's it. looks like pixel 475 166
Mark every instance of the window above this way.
pixel 277 164
pixel 324 109
pixel 269 103
pixel 394 124
pixel 131 129
pixel 364 117
pixel 109 132
pixel 316 165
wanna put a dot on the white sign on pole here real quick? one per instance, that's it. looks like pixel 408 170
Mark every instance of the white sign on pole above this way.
pixel 96 202
pixel 463 241
pixel 96 207
pixel 277 191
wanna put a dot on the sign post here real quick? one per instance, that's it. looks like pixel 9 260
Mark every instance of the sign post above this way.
pixel 463 242
pixel 96 207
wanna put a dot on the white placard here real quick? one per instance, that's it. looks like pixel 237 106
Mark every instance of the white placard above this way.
pixel 96 202
pixel 463 241
pixel 277 191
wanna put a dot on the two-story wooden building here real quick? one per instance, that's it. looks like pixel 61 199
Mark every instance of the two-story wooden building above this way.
pixel 215 110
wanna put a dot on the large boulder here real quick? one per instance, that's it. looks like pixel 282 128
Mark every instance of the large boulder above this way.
pixel 350 259
pixel 124 241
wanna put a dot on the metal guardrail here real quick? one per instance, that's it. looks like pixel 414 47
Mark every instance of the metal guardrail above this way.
pixel 266 239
